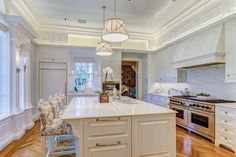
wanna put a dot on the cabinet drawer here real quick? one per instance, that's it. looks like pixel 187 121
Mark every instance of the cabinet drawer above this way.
pixel 227 113
pixel 226 126
pixel 227 138
pixel 116 150
pixel 108 140
pixel 107 126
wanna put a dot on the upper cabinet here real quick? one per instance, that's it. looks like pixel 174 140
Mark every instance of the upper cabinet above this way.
pixel 164 67
pixel 230 39
pixel 52 54
pixel 203 48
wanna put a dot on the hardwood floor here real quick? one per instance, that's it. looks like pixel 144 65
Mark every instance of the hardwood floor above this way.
pixel 188 145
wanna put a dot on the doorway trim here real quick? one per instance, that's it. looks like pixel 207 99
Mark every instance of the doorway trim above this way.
pixel 139 76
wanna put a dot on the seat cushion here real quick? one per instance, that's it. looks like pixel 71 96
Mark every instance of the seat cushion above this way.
pixel 58 127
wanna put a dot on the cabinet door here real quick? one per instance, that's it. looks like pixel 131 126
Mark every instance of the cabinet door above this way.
pixel 154 136
pixel 45 54
pixel 60 54
pixel 51 82
pixel 231 51
pixel 119 150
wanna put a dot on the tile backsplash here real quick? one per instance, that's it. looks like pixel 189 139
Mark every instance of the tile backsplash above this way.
pixel 211 80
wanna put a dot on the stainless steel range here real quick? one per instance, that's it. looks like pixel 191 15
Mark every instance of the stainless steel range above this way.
pixel 196 115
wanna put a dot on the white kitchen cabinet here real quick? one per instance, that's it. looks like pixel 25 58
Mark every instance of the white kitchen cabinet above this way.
pixel 52 54
pixel 230 38
pixel 160 100
pixel 52 79
pixel 106 137
pixel 164 67
pixel 153 136
pixel 226 126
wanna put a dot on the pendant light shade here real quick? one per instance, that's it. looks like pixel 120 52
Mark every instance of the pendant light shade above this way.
pixel 103 49
pixel 115 30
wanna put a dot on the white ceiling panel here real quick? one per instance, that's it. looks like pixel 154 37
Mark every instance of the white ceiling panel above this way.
pixel 145 16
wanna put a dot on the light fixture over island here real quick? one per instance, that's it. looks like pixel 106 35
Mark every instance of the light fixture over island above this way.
pixel 125 128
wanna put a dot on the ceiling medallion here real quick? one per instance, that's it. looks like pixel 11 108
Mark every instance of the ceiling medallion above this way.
pixel 115 29
pixel 103 48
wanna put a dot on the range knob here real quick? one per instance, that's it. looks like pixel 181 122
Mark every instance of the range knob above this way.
pixel 207 107
pixel 203 107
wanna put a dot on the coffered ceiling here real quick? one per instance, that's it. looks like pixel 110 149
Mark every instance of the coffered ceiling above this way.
pixel 142 16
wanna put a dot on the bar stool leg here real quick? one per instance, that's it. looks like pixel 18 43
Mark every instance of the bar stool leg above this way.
pixel 43 145
pixel 77 148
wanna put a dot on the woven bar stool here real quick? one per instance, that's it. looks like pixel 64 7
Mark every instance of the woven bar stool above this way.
pixel 52 128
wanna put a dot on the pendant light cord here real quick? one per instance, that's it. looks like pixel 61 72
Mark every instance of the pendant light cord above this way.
pixel 104 18
pixel 114 8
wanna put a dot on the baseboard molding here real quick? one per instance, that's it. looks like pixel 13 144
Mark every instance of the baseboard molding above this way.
pixel 7 127
pixel 13 137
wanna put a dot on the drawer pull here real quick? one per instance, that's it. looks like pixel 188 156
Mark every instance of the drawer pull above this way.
pixel 226 129
pixel 226 112
pixel 103 145
pixel 226 139
pixel 107 120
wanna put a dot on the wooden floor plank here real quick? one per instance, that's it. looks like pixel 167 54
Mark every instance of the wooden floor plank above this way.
pixel 188 145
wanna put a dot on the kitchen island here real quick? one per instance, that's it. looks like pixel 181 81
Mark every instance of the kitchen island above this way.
pixel 125 128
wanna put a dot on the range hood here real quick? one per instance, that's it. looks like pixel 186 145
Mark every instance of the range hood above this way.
pixel 205 48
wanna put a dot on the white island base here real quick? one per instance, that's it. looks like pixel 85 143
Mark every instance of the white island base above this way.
pixel 122 129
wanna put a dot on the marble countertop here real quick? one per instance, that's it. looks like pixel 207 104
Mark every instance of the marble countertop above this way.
pixel 160 94
pixel 81 94
pixel 89 107
pixel 231 105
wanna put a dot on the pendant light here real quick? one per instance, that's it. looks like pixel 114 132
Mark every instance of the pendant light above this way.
pixel 115 29
pixel 103 48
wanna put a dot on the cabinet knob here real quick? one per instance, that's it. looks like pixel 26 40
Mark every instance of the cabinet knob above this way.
pixel 226 112
pixel 226 121
pixel 228 75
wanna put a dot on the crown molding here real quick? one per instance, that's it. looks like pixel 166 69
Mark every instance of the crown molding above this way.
pixel 187 14
pixel 17 23
pixel 87 31
pixel 25 12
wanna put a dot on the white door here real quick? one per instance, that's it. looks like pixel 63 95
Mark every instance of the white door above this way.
pixel 52 81
pixel 119 150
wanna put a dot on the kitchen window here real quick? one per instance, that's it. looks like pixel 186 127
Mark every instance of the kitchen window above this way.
pixel 4 75
pixel 84 75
